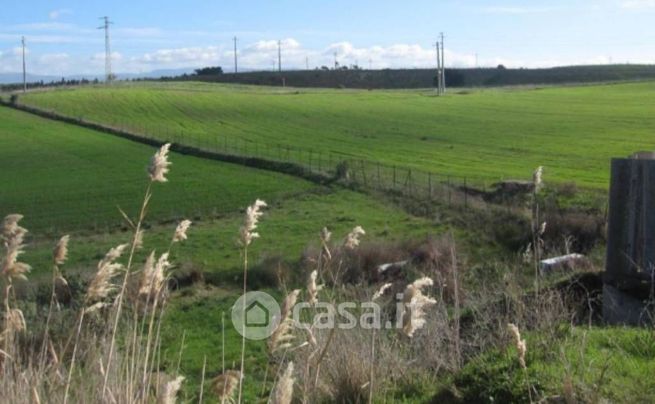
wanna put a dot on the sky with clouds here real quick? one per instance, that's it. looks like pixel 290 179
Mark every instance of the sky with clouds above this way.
pixel 63 39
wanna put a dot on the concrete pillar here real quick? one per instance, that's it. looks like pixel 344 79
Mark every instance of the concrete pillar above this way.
pixel 630 264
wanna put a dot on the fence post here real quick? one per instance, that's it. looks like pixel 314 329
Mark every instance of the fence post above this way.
pixel 378 167
pixel 430 186
pixel 630 264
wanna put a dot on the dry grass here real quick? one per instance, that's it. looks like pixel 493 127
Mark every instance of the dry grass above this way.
pixel 85 366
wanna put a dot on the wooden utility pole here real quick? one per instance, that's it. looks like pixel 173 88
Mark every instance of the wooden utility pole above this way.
pixel 630 265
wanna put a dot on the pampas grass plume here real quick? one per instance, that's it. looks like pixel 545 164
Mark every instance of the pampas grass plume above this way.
pixel 180 231
pixel 60 253
pixel 225 385
pixel 169 392
pixel 284 388
pixel 247 231
pixel 414 305
pixel 13 236
pixel 537 177
pixel 519 343
pixel 313 288
pixel 283 331
pixel 101 285
pixel 380 292
pixel 159 164
pixel 352 239
pixel 325 240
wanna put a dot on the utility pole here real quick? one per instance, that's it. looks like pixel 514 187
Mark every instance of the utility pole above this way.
pixel 443 66
pixel 279 56
pixel 438 68
pixel 105 26
pixel 24 72
pixel 370 64
pixel 235 55
pixel 476 61
pixel 307 62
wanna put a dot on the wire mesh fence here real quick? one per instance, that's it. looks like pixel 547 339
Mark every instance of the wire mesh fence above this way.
pixel 366 173
pixel 400 180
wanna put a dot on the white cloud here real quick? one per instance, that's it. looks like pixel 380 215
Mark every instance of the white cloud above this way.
pixel 181 56
pixel 516 10
pixel 637 4
pixel 100 57
pixel 55 14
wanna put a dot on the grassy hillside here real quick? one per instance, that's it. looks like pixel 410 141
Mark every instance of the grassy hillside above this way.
pixel 68 178
pixel 60 175
pixel 488 135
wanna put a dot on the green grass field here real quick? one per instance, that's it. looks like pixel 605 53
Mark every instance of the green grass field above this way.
pixel 488 135
pixel 65 178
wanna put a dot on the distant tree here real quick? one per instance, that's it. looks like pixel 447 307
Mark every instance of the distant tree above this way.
pixel 501 67
pixel 455 78
pixel 209 71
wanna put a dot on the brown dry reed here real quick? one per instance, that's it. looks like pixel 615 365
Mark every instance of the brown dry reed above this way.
pixel 225 385
pixel 414 305
pixel 284 389
pixel 283 333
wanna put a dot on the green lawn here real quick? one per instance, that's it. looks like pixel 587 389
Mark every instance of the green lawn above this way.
pixel 490 134
pixel 602 364
pixel 64 178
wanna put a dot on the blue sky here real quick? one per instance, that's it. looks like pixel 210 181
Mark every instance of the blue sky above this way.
pixel 147 35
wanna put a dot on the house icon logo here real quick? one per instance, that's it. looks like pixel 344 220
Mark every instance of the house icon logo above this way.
pixel 253 315
pixel 257 315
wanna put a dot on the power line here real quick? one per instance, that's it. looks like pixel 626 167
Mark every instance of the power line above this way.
pixel 24 71
pixel 235 55
pixel 105 26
